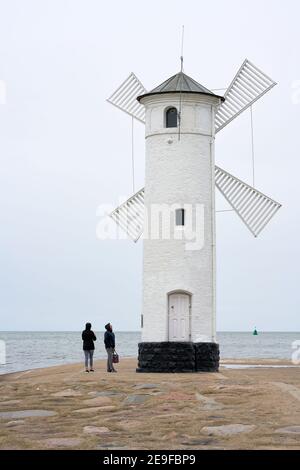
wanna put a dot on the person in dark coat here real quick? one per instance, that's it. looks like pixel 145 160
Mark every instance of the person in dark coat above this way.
pixel 88 338
pixel 109 341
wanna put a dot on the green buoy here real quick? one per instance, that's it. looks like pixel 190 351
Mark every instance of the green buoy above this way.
pixel 255 332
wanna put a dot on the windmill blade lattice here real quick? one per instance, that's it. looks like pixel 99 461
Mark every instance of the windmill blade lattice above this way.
pixel 253 207
pixel 248 86
pixel 124 97
pixel 130 215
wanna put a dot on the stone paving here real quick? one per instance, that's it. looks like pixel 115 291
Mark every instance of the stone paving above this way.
pixel 65 408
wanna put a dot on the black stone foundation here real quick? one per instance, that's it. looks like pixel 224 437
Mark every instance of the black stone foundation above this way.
pixel 178 357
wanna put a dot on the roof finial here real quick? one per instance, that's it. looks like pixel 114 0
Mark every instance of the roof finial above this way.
pixel 181 56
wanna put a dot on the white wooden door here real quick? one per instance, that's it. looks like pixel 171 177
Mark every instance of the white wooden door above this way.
pixel 179 317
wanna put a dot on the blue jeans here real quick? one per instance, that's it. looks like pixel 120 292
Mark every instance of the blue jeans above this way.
pixel 89 356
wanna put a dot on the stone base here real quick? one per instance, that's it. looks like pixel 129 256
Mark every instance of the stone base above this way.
pixel 178 357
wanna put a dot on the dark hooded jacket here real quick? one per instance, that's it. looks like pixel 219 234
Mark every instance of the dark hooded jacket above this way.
pixel 88 337
pixel 109 338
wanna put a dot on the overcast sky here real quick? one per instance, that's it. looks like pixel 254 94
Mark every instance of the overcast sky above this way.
pixel 64 150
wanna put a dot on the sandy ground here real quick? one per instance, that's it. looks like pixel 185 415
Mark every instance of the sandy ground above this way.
pixel 66 408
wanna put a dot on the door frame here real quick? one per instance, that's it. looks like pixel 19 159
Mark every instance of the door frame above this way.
pixel 190 295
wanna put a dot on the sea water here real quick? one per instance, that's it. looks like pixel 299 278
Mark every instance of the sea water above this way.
pixel 28 350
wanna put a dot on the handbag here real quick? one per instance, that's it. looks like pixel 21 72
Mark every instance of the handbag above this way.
pixel 115 358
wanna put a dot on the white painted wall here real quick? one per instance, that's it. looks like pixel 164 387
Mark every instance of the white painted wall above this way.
pixel 180 172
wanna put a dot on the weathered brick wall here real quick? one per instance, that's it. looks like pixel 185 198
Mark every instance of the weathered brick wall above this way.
pixel 180 172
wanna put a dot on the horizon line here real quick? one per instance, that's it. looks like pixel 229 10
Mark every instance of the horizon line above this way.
pixel 139 331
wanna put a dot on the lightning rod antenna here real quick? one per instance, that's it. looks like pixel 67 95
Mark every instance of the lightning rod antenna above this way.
pixel 182 42
pixel 180 83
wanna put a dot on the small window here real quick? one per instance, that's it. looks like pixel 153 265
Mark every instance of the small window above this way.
pixel 142 321
pixel 179 216
pixel 171 117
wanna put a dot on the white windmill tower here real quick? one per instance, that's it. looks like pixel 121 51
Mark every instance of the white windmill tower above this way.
pixel 176 211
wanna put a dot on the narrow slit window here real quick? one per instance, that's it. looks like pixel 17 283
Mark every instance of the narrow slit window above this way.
pixel 171 117
pixel 179 217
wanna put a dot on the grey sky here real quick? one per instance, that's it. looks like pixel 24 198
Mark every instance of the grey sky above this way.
pixel 64 151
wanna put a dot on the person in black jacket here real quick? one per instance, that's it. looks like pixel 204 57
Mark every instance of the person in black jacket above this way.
pixel 109 341
pixel 88 338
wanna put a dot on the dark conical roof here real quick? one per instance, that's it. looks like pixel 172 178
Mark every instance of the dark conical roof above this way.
pixel 179 83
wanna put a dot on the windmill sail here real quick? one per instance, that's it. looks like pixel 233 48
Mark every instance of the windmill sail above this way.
pixel 125 96
pixel 248 86
pixel 130 215
pixel 253 207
